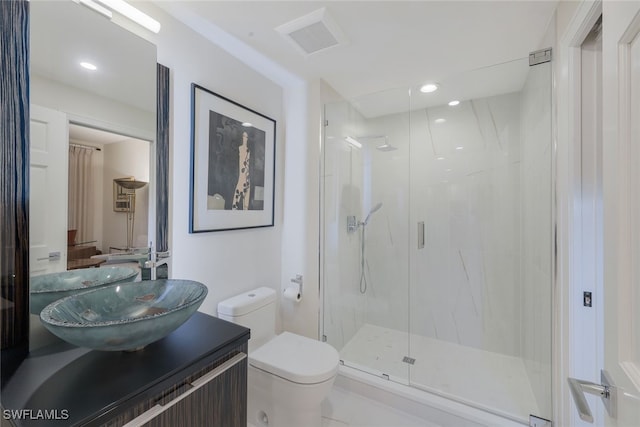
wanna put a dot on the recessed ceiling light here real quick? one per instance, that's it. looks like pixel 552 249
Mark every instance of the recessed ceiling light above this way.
pixel 447 170
pixel 454 103
pixel 440 158
pixel 440 120
pixel 88 66
pixel 459 148
pixel 247 124
pixel 428 88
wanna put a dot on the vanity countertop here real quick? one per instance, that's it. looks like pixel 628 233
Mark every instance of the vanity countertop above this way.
pixel 79 386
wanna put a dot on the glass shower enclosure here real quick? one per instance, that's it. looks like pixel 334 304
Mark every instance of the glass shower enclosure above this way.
pixel 436 237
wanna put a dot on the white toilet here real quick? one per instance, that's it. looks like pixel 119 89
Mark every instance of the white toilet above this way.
pixel 289 375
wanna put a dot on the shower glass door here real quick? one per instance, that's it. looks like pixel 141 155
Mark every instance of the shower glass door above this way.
pixel 365 233
pixel 437 237
pixel 480 293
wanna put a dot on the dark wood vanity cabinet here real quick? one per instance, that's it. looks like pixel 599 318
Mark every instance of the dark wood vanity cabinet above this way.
pixel 214 396
pixel 194 377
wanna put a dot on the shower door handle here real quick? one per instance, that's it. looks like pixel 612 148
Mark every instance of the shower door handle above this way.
pixel 606 391
pixel 421 235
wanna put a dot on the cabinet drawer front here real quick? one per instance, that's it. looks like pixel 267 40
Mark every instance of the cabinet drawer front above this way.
pixel 154 415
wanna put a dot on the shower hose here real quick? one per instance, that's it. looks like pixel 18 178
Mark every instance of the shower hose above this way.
pixel 363 278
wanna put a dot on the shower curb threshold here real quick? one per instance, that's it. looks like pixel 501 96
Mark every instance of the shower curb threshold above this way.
pixel 421 403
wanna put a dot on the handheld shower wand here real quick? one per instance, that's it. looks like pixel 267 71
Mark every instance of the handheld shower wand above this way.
pixel 363 278
pixel 373 210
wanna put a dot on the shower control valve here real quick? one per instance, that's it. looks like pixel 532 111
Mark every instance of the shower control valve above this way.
pixel 352 224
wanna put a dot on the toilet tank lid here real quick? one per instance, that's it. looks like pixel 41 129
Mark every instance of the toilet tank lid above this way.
pixel 247 302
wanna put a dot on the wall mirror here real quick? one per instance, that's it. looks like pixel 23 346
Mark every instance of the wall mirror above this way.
pixel 93 124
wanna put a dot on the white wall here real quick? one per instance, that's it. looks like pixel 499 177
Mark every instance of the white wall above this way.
pixel 301 222
pixel 228 262
pixel 91 109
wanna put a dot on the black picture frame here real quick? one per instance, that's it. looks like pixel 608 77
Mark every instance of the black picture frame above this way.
pixel 233 153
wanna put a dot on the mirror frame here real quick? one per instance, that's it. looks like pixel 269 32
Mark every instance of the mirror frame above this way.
pixel 14 184
pixel 162 158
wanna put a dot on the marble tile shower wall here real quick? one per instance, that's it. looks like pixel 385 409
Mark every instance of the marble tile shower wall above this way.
pixel 387 247
pixel 465 166
pixel 354 182
pixel 343 306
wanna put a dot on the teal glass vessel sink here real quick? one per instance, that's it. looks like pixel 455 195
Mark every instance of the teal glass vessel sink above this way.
pixel 125 316
pixel 48 288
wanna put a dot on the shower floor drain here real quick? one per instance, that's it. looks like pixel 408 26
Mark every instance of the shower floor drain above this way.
pixel 409 360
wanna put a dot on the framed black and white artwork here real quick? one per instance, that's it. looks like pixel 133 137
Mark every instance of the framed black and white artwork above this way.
pixel 232 164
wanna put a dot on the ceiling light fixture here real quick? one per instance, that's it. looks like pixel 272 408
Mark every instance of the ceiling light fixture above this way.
pixel 440 121
pixel 454 103
pixel 247 124
pixel 353 142
pixel 136 15
pixel 95 6
pixel 428 88
pixel 88 66
pixel 459 148
pixel 440 158
pixel 125 9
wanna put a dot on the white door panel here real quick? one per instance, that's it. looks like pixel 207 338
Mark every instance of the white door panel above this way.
pixel 621 192
pixel 48 191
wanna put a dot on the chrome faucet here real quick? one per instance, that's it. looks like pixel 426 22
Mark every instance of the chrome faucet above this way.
pixel 156 259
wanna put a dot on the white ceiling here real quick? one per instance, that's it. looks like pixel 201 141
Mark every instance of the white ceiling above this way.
pixel 395 44
pixel 471 48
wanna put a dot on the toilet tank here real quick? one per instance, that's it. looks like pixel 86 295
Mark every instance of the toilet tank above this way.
pixel 255 310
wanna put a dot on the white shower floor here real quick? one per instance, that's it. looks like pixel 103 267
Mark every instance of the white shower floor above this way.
pixel 490 381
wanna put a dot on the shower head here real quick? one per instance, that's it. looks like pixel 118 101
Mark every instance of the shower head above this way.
pixel 373 210
pixel 386 147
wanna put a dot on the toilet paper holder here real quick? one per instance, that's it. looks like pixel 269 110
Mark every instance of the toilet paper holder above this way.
pixel 298 280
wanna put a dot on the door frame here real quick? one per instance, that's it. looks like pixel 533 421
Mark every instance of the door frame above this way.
pixel 573 326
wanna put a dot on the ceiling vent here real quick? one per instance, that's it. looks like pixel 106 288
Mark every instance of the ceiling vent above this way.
pixel 313 33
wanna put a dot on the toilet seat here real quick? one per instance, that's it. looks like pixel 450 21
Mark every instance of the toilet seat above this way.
pixel 297 359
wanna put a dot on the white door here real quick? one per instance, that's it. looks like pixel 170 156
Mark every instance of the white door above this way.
pixel 621 192
pixel 48 191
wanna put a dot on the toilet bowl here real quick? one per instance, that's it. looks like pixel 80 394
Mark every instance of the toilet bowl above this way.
pixel 289 375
